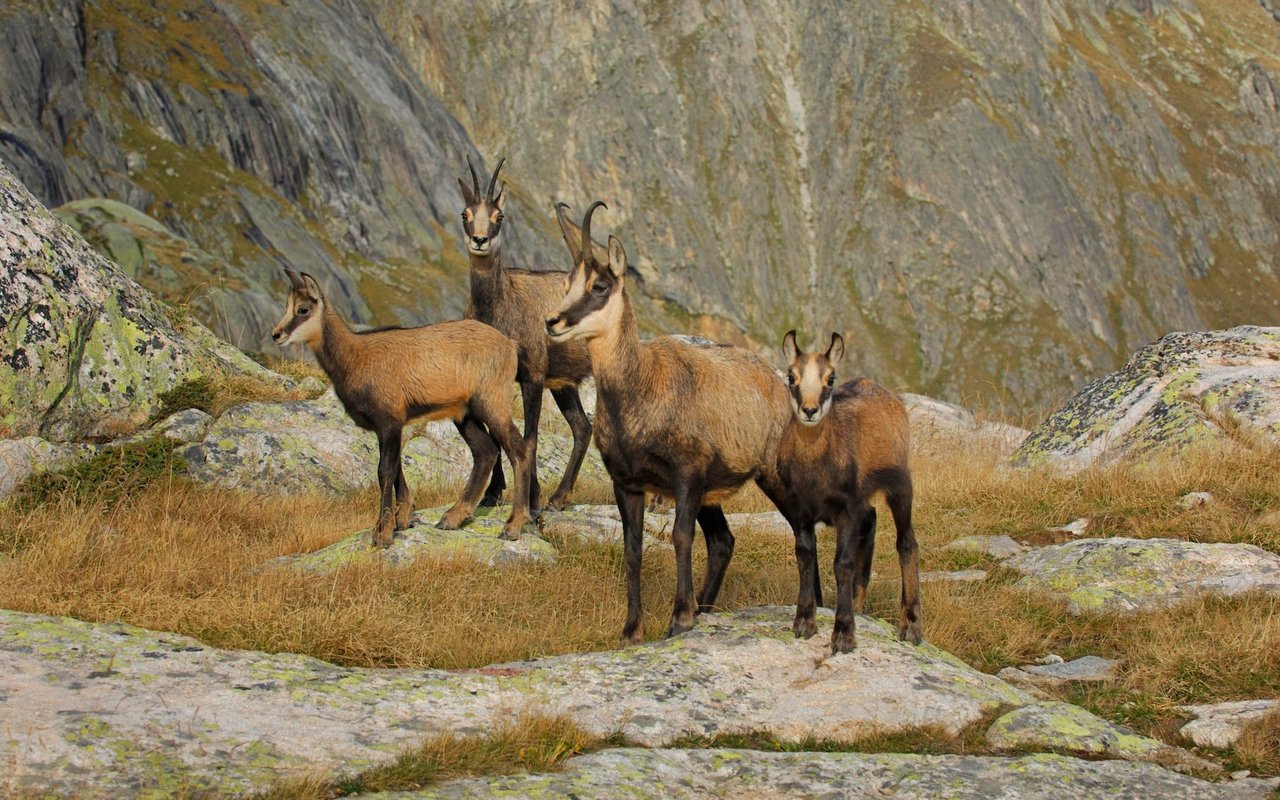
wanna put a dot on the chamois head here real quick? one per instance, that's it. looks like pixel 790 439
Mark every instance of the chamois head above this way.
pixel 811 377
pixel 593 291
pixel 301 321
pixel 482 217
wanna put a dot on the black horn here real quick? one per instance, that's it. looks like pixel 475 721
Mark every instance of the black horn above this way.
pixel 587 253
pixel 494 180
pixel 475 182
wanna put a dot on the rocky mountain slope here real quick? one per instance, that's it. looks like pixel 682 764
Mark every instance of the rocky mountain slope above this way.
pixel 995 200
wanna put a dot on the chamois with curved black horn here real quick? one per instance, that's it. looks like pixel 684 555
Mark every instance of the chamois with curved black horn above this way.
pixel 844 445
pixel 460 370
pixel 690 422
pixel 516 302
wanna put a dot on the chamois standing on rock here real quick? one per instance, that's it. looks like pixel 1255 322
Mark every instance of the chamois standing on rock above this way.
pixel 387 378
pixel 844 445
pixel 516 302
pixel 689 422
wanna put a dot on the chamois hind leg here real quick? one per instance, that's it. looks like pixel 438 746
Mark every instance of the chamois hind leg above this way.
pixel 570 405
pixel 715 529
pixel 404 499
pixel 497 485
pixel 508 438
pixel 806 623
pixel 631 509
pixel 899 495
pixel 531 394
pixel 688 502
pixel 866 550
pixel 484 454
pixel 389 443
pixel 848 525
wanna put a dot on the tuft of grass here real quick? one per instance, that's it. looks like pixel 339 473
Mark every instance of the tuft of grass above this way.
pixel 110 475
pixel 197 393
pixel 1258 748
pixel 526 743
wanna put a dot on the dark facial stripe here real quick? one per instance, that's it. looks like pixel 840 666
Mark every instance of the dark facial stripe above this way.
pixel 590 302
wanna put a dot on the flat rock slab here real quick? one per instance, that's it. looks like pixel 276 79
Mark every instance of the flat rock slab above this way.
pixel 1048 676
pixel 998 547
pixel 1060 726
pixel 117 710
pixel 479 539
pixel 1123 574
pixel 637 774
pixel 20 458
pixel 1186 388
pixel 957 576
pixel 1221 724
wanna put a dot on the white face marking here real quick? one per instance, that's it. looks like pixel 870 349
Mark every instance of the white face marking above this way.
pixel 305 332
pixel 810 383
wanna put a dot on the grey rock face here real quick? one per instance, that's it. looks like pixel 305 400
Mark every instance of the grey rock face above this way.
pixel 1185 388
pixel 941 424
pixel 83 700
pixel 29 455
pixel 185 426
pixel 1089 669
pixel 87 350
pixel 1000 547
pixel 1123 574
pixel 1222 724
pixel 637 774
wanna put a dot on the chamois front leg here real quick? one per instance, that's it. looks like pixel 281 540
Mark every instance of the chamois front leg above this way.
pixel 404 499
pixel 497 485
pixel 911 621
pixel 866 545
pixel 631 509
pixel 484 454
pixel 570 405
pixel 688 502
pixel 805 624
pixel 504 431
pixel 389 443
pixel 848 524
pixel 531 394
pixel 715 529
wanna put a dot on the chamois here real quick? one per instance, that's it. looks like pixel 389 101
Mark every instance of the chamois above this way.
pixel 693 423
pixel 387 378
pixel 516 302
pixel 843 446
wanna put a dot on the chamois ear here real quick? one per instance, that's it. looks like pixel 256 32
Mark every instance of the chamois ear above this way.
pixel 501 199
pixel 311 287
pixel 295 281
pixel 617 257
pixel 789 347
pixel 836 351
pixel 467 196
pixel 572 233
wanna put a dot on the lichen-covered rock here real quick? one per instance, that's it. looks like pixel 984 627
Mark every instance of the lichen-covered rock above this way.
pixel 185 426
pixel 114 710
pixel 1123 574
pixel 31 454
pixel 641 774
pixel 478 540
pixel 998 547
pixel 939 424
pixel 1185 388
pixel 1221 724
pixel 1063 727
pixel 954 576
pixel 313 446
pixel 87 351
pixel 1089 669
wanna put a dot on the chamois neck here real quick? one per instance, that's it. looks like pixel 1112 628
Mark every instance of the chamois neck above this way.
pixel 616 355
pixel 335 346
pixel 488 282
pixel 812 437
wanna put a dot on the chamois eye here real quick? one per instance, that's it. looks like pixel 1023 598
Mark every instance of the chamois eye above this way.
pixel 600 288
pixel 303 311
pixel 791 378
pixel 831 379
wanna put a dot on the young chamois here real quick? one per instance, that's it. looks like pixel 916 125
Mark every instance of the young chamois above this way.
pixel 693 423
pixel 844 445
pixel 387 378
pixel 517 302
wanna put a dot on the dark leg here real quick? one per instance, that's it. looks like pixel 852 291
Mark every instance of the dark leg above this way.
pixel 631 509
pixel 389 442
pixel 911 620
pixel 866 549
pixel 848 524
pixel 404 500
pixel 806 623
pixel 514 446
pixel 715 529
pixel 531 393
pixel 497 485
pixel 484 454
pixel 688 503
pixel 570 405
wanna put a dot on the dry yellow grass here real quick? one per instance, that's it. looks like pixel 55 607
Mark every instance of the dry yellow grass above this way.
pixel 178 557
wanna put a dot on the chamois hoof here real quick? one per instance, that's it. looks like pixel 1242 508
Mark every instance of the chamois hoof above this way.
pixel 490 500
pixel 632 634
pixel 404 520
pixel 679 626
pixel 804 627
pixel 910 632
pixel 453 519
pixel 558 502
pixel 382 539
pixel 843 641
